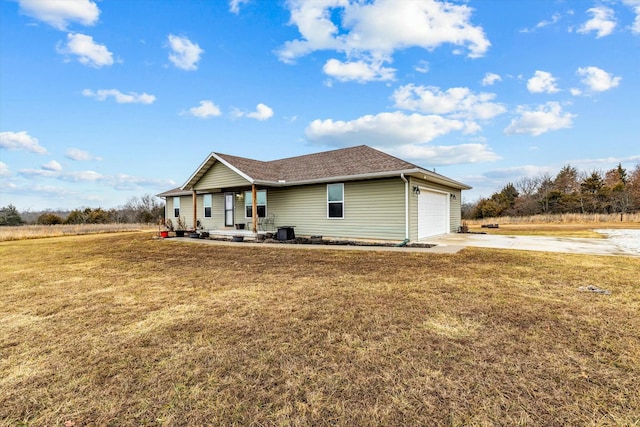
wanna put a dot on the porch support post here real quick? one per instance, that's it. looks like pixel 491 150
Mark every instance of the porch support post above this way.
pixel 195 210
pixel 254 208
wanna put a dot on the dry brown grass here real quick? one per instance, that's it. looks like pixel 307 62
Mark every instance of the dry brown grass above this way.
pixel 39 231
pixel 571 218
pixel 565 225
pixel 126 330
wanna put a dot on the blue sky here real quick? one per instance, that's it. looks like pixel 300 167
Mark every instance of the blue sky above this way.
pixel 104 100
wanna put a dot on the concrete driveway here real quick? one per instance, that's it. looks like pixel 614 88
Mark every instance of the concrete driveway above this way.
pixel 571 245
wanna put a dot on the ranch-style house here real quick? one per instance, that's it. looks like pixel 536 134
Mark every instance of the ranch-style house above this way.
pixel 352 193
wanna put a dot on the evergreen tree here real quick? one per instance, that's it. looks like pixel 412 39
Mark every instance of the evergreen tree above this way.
pixel 9 216
pixel 593 192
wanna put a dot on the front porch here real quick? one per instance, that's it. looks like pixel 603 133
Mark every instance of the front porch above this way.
pixel 229 233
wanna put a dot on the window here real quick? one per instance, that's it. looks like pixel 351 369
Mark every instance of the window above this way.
pixel 261 197
pixel 176 207
pixel 335 200
pixel 207 205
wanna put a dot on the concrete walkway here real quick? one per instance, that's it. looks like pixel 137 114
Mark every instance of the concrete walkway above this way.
pixel 453 243
pixel 535 243
pixel 444 249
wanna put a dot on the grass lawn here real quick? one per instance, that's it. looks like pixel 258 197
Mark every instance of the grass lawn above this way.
pixel 122 329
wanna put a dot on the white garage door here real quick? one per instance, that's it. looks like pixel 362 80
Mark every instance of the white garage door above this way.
pixel 433 213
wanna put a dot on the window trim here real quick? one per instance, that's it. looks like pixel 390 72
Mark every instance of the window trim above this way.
pixel 248 201
pixel 329 202
pixel 176 210
pixel 209 198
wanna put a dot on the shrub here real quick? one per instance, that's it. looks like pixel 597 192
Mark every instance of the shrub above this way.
pixel 49 219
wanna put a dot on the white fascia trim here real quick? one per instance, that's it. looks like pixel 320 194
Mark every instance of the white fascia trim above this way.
pixel 337 178
pixel 206 160
pixel 440 179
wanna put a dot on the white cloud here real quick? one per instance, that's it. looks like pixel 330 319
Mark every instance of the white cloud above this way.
pixel 28 173
pixel 117 181
pixel 635 5
pixel 457 102
pixel 205 110
pixel 542 81
pixel 603 22
pixel 234 5
pixel 88 52
pixel 21 141
pixel 490 79
pixel 359 71
pixel 184 53
pixel 604 161
pixel 384 129
pixel 52 166
pixel 554 19
pixel 81 176
pixel 544 118
pixel 59 13
pixel 575 91
pixel 262 112
pixel 80 155
pixel 372 31
pixel 422 67
pixel 517 172
pixel 124 182
pixel 4 169
pixel 120 98
pixel 51 191
pixel 446 154
pixel 597 79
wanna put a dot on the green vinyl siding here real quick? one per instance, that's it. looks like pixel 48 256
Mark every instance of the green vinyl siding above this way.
pixel 373 209
pixel 186 211
pixel 220 176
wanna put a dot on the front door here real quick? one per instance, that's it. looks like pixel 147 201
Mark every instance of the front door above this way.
pixel 228 209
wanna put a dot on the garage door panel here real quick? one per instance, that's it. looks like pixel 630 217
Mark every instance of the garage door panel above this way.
pixel 433 213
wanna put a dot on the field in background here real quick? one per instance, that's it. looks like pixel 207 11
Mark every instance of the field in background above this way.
pixel 561 225
pixel 38 231
pixel 563 219
pixel 123 329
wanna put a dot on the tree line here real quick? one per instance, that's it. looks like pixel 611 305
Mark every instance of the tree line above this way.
pixel 570 191
pixel 146 209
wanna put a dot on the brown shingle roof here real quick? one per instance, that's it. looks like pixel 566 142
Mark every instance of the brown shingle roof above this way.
pixel 360 160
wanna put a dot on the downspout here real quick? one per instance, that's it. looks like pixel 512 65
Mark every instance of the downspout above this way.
pixel 406 207
pixel 195 210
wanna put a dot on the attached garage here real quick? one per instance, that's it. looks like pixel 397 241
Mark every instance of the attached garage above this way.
pixel 433 213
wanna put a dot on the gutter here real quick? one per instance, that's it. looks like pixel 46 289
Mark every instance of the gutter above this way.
pixel 421 173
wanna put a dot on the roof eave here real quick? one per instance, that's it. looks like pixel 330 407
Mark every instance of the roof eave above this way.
pixel 417 172
pixel 440 179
